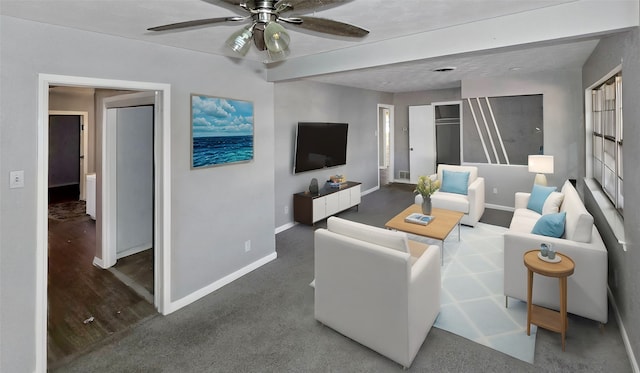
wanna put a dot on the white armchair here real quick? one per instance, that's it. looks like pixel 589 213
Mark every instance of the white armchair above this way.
pixel 471 204
pixel 376 287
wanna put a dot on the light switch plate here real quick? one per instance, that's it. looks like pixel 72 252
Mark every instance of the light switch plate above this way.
pixel 16 179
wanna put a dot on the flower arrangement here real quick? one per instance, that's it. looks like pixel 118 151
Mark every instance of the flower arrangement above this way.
pixel 426 186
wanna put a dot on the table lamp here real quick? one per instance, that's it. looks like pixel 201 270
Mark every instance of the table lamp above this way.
pixel 541 165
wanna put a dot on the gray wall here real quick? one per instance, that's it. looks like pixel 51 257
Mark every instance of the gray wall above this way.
pixel 206 204
pixel 301 101
pixel 624 277
pixel 401 102
pixel 563 123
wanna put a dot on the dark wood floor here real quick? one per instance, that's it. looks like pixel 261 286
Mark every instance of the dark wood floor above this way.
pixel 86 304
pixel 138 268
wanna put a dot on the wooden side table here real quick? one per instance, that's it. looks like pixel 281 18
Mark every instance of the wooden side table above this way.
pixel 544 317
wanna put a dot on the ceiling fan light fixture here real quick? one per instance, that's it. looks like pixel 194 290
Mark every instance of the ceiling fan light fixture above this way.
pixel 266 31
pixel 240 41
pixel 277 40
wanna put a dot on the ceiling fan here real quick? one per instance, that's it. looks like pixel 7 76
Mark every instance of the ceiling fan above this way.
pixel 266 30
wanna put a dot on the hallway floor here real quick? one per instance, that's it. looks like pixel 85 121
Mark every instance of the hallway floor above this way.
pixel 87 305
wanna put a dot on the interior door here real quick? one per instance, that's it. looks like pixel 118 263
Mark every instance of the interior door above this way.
pixel 134 179
pixel 64 153
pixel 422 142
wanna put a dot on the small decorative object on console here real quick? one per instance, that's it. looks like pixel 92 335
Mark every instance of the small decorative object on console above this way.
pixel 419 218
pixel 313 186
pixel 336 181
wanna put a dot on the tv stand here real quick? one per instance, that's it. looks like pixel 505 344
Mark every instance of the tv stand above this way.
pixel 309 208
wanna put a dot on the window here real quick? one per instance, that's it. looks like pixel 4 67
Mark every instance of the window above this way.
pixel 607 139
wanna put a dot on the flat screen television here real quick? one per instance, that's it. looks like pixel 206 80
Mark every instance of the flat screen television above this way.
pixel 320 145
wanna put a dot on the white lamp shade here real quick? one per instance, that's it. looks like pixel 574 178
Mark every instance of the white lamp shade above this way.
pixel 541 164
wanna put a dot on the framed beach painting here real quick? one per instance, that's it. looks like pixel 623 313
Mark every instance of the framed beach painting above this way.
pixel 221 131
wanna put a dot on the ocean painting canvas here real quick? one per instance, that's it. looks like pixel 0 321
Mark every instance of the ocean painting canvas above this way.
pixel 221 131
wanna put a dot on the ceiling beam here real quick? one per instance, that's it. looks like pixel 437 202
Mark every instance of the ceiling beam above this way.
pixel 575 20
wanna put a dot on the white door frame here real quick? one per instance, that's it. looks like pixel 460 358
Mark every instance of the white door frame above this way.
pixel 84 146
pixel 109 189
pixel 391 109
pixel 162 219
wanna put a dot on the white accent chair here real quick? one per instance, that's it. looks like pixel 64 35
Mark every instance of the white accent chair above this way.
pixel 472 204
pixel 376 287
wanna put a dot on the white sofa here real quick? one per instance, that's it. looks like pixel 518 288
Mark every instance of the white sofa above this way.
pixel 472 204
pixel 587 287
pixel 370 288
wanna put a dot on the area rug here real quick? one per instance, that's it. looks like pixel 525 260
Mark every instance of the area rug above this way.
pixel 472 301
pixel 67 210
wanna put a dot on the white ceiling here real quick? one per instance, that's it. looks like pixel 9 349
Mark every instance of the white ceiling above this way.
pixel 387 20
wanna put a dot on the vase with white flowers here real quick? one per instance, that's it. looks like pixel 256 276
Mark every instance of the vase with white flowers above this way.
pixel 426 187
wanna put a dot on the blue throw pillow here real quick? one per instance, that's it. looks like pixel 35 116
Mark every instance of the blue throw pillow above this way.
pixel 539 194
pixel 455 182
pixel 551 225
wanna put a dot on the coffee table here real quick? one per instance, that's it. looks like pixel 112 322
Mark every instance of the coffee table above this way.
pixel 438 229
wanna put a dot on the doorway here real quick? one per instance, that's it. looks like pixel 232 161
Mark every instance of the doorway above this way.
pixel 385 144
pixel 86 304
pixel 65 157
pixel 447 121
pixel 161 198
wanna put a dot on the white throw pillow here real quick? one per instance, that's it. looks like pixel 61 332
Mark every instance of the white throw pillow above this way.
pixel 552 203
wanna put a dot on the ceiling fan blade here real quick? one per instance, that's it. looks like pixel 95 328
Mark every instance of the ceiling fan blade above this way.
pixel 304 5
pixel 329 26
pixel 194 23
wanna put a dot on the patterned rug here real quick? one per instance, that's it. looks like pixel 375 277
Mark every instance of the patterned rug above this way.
pixel 473 302
pixel 67 210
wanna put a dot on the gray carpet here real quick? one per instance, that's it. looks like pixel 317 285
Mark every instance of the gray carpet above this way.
pixel 264 322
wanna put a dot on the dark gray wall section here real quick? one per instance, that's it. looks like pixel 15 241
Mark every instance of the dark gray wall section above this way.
pixel 519 120
pixel 563 101
pixel 624 276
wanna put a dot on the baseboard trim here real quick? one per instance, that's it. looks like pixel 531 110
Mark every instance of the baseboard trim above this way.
pixel 623 332
pixel 369 191
pixel 98 262
pixel 499 207
pixel 401 181
pixel 185 301
pixel 284 227
pixel 134 250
